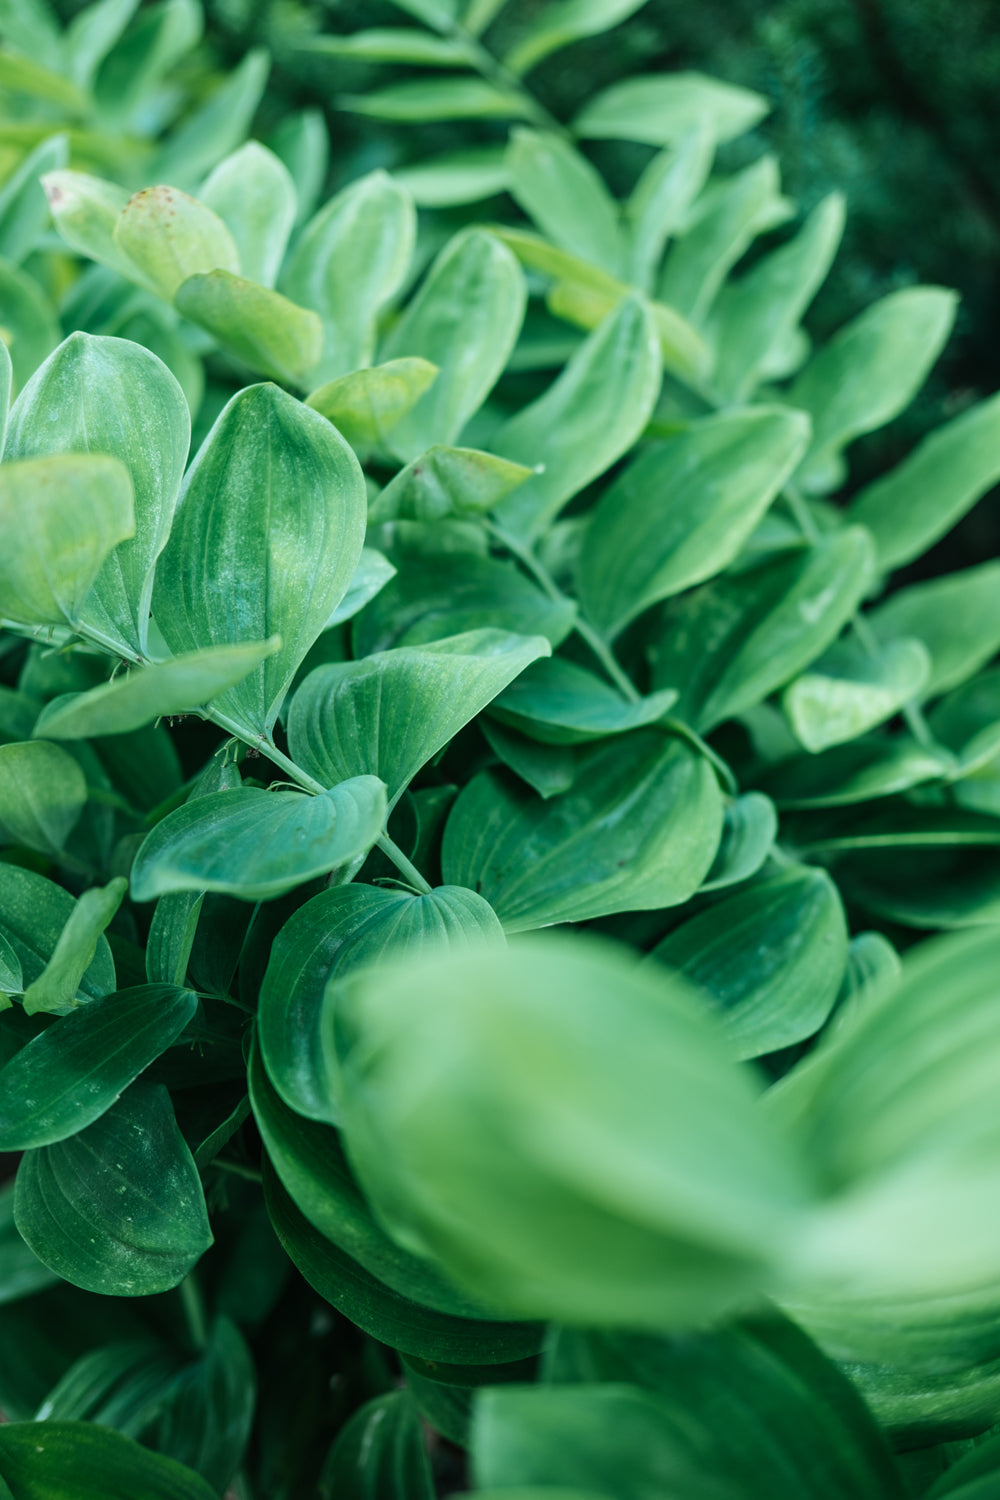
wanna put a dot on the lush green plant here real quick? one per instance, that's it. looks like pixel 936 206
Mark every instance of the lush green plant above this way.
pixel 462 649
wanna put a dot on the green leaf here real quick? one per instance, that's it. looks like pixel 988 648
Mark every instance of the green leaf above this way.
pixel 42 794
pixel 106 395
pixel 957 618
pixel 849 690
pixel 438 595
pixel 31 329
pixel 11 977
pixel 733 641
pixel 301 140
pixel 868 373
pixel 78 1459
pixel 57 987
pixel 371 575
pixel 160 36
pixel 663 1206
pixel 662 110
pixel 207 1420
pixel 85 210
pixel 148 693
pixel 465 319
pixel 465 98
pixel 256 844
pixel 60 518
pixel 565 196
pixel 924 496
pixel 265 541
pixel 263 329
pixel 768 960
pixel 85 1208
pixel 638 829
pixel 388 714
pixel 660 200
pixel 455 177
pixel 338 931
pixel 216 128
pixel 171 936
pixel 757 315
pixel 67 1077
pixel 380 1451
pixel 33 914
pixel 440 14
pixel 967 721
pixel 731 213
pixel 92 33
pixel 365 405
pixel 562 22
pixel 591 414
pixel 718 478
pixel 856 772
pixel 22 1273
pixel 547 769
pixel 447 482
pixel 379 1311
pixel 749 829
pixel 6 385
pixel 560 703
pixel 23 76
pixel 349 262
pixel 253 194
pixel 168 236
pixel 392 44
pixel 24 211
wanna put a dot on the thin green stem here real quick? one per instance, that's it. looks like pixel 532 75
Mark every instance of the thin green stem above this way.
pixel 803 515
pixel 406 869
pixel 193 1306
pixel 607 659
pixel 249 1174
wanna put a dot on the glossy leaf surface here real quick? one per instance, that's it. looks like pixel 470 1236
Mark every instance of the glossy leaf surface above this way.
pixel 559 703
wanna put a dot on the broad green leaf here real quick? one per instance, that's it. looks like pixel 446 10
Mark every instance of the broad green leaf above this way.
pixel 388 714
pixel 84 1204
pixel 253 194
pixel 33 915
pixel 683 510
pixel 67 1077
pixel 257 844
pixel 868 373
pixel 733 641
pixel 265 541
pixel 849 690
pixel 348 263
pixel 637 830
pixel 432 597
pixel 540 254
pixel 957 618
pixel 924 496
pixel 379 1451
pixel 337 931
pixel 261 327
pixel 57 987
pixel 662 110
pixel 769 959
pixel 591 414
pixel 92 33
pixel 967 721
pixel 206 1421
pixel 565 196
pixel 468 1087
pixel 365 405
pixel 564 21
pixel 392 44
pixel 62 1459
pixel 169 236
pixel 31 328
pixel 107 395
pixel 721 226
pixel 371 575
pixel 60 517
pixel 24 211
pixel 85 210
pixel 547 769
pixel 757 315
pixel 42 794
pixel 384 1314
pixel 749 829
pixel 455 177
pixel 24 76
pixel 659 202
pixel 856 772
pixel 465 319
pixel 465 98
pixel 447 482
pixel 560 703
pixel 148 693
pixel 682 348
pixel 217 127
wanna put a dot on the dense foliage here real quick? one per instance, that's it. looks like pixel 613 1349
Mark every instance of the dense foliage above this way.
pixel 390 574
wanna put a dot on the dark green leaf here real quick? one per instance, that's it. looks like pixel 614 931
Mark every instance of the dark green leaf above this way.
pixel 548 769
pixel 21 1272
pixel 207 1420
pixel 749 829
pixel 78 1461
pixel 42 794
pixel 856 772
pixel 33 914
pixel 379 1454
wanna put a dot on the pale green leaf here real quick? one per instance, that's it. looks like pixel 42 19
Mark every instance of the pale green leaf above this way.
pixel 848 690
pixel 957 617
pixel 34 913
pixel 169 236
pixel 661 110
pixel 42 794
pixel 465 98
pixel 217 127
pixel 565 196
pixel 561 22
pixel 57 987
pixel 559 703
pixel 85 210
pixel 92 33
pixel 392 44
pixel 29 322
pixel 253 194
pixel 660 200
pixel 24 211
pixel 455 177
pixel 371 575
pixel 447 482
pixel 365 405
pixel 264 329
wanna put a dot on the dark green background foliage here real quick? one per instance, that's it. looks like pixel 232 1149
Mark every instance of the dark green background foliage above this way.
pixel 400 557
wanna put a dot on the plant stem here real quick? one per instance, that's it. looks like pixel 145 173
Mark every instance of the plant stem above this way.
pixel 193 1305
pixel 494 71
pixel 412 874
pixel 607 659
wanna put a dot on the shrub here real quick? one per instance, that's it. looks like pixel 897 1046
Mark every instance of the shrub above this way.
pixel 528 589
